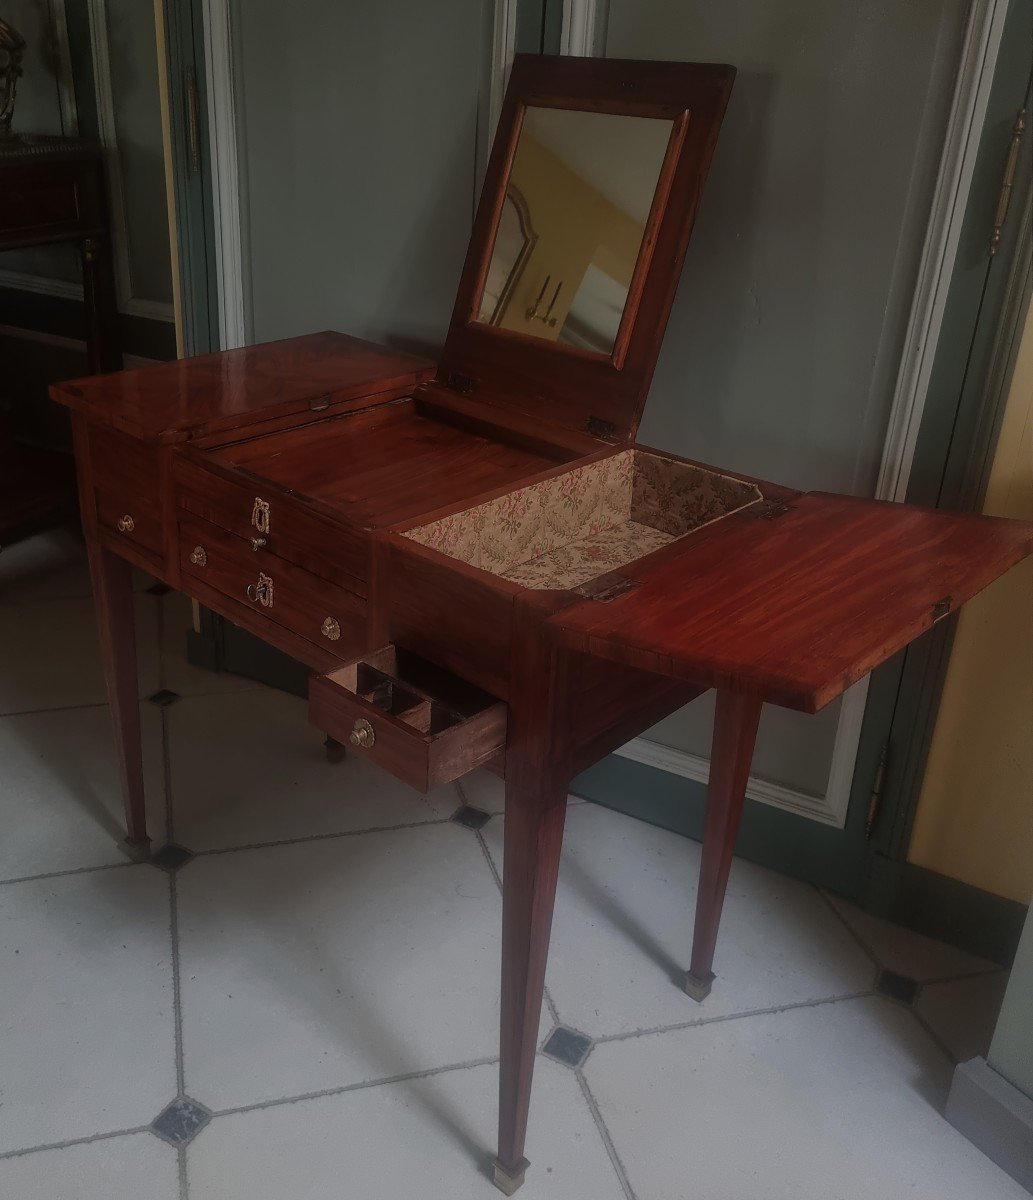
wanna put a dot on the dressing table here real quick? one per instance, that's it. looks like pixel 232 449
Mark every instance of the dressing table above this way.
pixel 476 560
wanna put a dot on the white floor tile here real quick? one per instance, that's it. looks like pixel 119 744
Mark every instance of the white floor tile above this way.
pixel 61 800
pixel 249 768
pixel 135 1167
pixel 964 1013
pixel 51 655
pixel 623 931
pixel 431 1138
pixel 179 675
pixel 49 566
pixel 905 951
pixel 326 963
pixel 833 1101
pixel 481 789
pixel 86 1021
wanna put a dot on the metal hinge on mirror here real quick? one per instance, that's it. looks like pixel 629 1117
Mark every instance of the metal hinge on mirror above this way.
pixel 462 384
pixel 598 428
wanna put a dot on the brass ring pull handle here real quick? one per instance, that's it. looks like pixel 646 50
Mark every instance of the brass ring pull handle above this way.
pixel 362 734
pixel 331 629
pixel 257 543
pixel 260 515
pixel 261 592
pixel 126 524
pixel 199 556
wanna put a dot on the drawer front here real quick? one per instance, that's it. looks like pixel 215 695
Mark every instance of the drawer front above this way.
pixel 290 531
pixel 413 719
pixel 38 205
pixel 136 524
pixel 313 608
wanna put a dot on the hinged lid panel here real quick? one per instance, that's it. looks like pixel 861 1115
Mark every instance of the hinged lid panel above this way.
pixel 591 191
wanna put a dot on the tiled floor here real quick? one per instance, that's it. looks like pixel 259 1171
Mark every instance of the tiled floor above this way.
pixel 306 1006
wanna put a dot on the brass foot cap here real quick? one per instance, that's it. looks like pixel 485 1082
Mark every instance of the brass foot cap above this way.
pixel 508 1181
pixel 138 851
pixel 698 989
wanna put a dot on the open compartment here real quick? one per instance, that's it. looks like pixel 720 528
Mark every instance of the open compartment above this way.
pixel 422 723
pixel 562 532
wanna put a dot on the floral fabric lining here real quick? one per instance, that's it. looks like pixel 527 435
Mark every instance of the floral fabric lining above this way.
pixel 561 532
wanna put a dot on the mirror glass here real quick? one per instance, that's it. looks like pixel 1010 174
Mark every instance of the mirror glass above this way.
pixel 577 201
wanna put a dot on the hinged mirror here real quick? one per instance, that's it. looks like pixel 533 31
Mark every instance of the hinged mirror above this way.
pixel 588 202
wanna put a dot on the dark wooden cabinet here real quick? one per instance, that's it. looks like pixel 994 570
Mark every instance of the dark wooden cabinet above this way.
pixel 478 562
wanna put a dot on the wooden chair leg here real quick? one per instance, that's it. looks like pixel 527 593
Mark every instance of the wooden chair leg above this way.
pixel 533 840
pixel 113 604
pixel 735 733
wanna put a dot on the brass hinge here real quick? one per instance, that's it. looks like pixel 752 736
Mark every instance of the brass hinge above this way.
pixel 598 428
pixel 875 799
pixel 1011 163
pixel 462 384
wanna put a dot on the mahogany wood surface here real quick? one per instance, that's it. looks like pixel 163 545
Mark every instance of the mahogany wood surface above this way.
pixel 796 609
pixel 387 465
pixel 174 401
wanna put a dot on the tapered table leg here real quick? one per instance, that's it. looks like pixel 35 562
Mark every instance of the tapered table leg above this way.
pixel 113 605
pixel 735 733
pixel 533 840
pixel 537 779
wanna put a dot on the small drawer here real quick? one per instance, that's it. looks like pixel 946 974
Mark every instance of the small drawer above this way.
pixel 250 508
pixel 418 721
pixel 311 607
pixel 129 520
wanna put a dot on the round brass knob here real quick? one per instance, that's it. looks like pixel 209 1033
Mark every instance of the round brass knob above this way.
pixel 126 524
pixel 362 734
pixel 331 629
pixel 199 556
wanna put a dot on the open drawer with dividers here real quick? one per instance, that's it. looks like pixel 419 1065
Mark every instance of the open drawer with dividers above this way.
pixel 422 723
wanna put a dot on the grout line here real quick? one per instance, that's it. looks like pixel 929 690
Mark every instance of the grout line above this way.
pixel 979 973
pixel 365 1085
pixel 32 712
pixel 737 1016
pixel 166 773
pixel 71 871
pixel 181 1163
pixel 82 1141
pixel 321 837
pixel 604 1133
pixel 487 856
pixel 177 993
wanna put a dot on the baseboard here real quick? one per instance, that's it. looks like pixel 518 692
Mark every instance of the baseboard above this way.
pixel 945 909
pixel 695 767
pixel 995 1116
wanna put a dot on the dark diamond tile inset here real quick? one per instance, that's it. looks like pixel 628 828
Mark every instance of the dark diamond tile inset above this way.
pixel 471 818
pixel 897 987
pixel 567 1046
pixel 164 698
pixel 159 589
pixel 181 1122
pixel 172 857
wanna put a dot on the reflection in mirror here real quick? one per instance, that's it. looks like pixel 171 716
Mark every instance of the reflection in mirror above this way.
pixel 576 205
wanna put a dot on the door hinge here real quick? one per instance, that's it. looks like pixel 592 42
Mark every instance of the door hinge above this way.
pixel 193 115
pixel 462 384
pixel 875 799
pixel 1011 163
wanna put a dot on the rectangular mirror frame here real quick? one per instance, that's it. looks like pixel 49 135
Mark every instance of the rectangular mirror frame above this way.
pixel 557 382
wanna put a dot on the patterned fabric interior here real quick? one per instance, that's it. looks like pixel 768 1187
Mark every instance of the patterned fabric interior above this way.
pixel 562 532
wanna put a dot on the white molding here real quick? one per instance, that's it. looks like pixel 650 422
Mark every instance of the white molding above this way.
pixel 939 251
pixel 64 289
pixel 503 48
pixel 584 26
pixel 694 766
pixel 222 138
